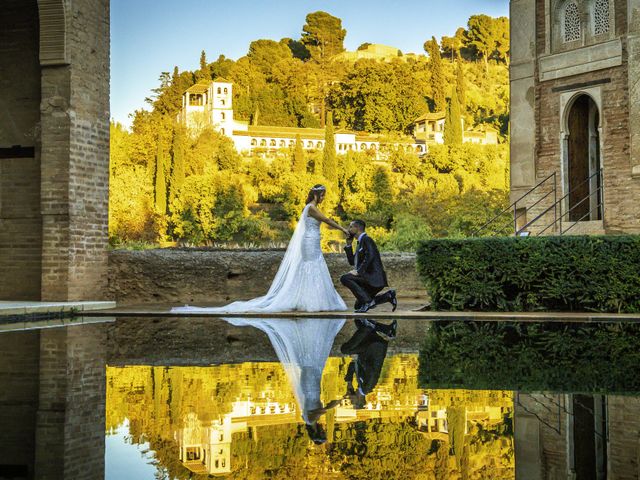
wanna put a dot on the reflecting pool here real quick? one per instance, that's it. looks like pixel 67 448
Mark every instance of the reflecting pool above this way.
pixel 178 398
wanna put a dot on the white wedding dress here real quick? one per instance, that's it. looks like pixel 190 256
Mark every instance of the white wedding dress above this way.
pixel 302 346
pixel 303 282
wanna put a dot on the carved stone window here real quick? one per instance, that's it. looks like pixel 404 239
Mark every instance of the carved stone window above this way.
pixel 571 23
pixel 601 24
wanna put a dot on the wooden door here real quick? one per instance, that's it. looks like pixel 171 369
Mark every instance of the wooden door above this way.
pixel 578 167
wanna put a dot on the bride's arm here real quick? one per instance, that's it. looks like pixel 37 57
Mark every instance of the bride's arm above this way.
pixel 318 215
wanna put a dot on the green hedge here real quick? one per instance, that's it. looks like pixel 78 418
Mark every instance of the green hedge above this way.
pixel 588 273
pixel 532 357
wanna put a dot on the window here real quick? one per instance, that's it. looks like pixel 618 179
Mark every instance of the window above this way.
pixel 254 143
pixel 222 115
pixel 601 17
pixel 225 90
pixel 283 143
pixel 272 143
pixel 291 143
pixel 571 23
pixel 263 143
pixel 195 100
pixel 319 145
pixel 222 131
pixel 222 102
pixel 309 144
pixel 219 91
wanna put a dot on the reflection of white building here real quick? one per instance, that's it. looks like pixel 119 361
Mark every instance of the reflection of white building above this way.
pixel 212 105
pixel 207 449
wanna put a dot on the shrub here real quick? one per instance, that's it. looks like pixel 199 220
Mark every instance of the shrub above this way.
pixel 588 273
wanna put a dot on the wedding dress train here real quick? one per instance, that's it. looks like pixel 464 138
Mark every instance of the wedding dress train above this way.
pixel 303 282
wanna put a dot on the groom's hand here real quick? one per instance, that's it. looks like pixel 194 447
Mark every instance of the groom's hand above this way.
pixel 354 272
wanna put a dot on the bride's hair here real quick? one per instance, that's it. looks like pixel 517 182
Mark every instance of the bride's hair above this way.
pixel 316 190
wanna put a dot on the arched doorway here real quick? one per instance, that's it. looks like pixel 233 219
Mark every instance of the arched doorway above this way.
pixel 583 173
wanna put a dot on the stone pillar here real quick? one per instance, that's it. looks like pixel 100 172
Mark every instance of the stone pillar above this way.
pixel 633 47
pixel 75 147
pixel 522 77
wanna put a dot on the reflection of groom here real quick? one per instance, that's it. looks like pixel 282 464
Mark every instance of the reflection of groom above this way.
pixel 368 277
pixel 369 344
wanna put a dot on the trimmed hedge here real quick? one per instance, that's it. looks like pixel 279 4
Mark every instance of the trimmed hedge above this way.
pixel 580 273
pixel 532 357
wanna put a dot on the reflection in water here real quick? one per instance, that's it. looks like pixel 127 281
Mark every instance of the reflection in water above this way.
pixel 258 420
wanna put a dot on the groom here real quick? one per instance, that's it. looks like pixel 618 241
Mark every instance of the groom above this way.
pixel 368 277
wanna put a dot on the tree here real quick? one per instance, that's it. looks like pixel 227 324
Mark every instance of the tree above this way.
pixel 437 75
pixel 299 160
pixel 203 73
pixel 452 45
pixel 160 191
pixel 482 36
pixel 453 121
pixel 264 54
pixel 461 86
pixel 323 35
pixel 502 35
pixel 329 160
pixel 177 170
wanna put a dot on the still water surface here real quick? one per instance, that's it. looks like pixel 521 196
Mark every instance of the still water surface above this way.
pixel 140 398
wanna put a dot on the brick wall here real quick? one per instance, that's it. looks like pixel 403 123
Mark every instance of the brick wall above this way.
pixel 18 397
pixel 621 190
pixel 20 222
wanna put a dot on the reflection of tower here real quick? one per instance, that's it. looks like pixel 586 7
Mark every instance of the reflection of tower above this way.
pixel 205 449
pixel 221 95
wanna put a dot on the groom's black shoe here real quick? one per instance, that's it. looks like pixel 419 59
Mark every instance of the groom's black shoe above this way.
pixel 393 300
pixel 366 307
pixel 388 332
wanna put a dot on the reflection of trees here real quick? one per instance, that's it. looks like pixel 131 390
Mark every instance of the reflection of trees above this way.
pixel 384 443
pixel 532 356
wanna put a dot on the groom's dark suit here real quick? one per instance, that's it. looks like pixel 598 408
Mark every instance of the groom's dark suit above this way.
pixel 371 277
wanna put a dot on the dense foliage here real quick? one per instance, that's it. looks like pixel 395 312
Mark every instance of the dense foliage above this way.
pixel 532 357
pixel 592 273
pixel 170 185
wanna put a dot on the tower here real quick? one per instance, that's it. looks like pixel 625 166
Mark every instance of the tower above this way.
pixel 221 99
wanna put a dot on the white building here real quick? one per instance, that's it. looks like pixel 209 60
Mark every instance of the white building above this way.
pixel 212 105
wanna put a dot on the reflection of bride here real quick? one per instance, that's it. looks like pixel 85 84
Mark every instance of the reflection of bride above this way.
pixel 303 281
pixel 302 346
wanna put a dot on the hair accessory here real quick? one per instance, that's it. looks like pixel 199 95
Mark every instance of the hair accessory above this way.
pixel 318 189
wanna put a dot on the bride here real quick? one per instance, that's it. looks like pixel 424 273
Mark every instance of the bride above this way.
pixel 303 282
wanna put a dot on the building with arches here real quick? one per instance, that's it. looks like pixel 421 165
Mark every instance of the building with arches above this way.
pixel 575 115
pixel 211 104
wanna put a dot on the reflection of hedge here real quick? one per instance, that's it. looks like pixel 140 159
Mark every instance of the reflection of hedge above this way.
pixel 594 273
pixel 597 357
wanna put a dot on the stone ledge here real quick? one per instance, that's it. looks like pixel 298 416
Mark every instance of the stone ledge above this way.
pixel 26 308
pixel 581 60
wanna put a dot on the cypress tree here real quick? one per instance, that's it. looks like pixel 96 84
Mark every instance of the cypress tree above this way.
pixel 177 171
pixel 461 86
pixel 453 121
pixel 329 160
pixel 437 75
pixel 299 161
pixel 161 179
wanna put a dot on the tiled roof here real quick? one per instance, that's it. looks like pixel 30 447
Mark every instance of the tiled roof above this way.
pixel 198 88
pixel 430 116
